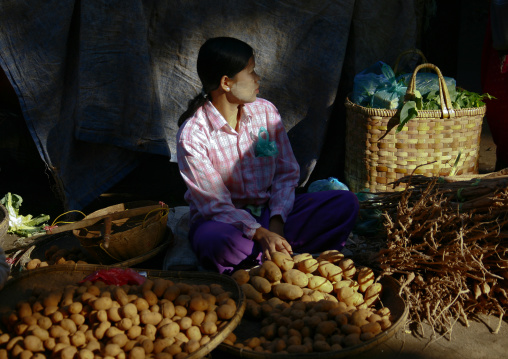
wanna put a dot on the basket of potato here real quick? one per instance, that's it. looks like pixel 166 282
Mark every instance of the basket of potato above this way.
pixel 52 313
pixel 305 305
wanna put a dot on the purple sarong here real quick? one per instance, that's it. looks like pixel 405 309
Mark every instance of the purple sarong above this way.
pixel 318 221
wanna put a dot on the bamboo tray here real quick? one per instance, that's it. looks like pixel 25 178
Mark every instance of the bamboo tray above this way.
pixel 390 298
pixel 20 288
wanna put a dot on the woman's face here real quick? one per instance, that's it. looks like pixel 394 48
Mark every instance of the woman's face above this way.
pixel 245 85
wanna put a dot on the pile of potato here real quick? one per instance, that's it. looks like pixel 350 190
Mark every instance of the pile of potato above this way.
pixel 56 255
pixel 158 319
pixel 309 304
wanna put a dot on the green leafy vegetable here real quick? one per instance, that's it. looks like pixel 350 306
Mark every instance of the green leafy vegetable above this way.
pixel 24 226
pixel 467 99
pixel 432 101
pixel 408 112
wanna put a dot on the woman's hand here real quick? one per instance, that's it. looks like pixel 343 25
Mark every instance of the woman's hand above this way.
pixel 272 240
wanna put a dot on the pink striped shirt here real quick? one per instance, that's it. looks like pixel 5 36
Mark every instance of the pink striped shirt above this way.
pixel 222 173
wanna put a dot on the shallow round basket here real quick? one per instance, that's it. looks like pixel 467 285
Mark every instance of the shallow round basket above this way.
pixel 389 298
pixel 67 240
pixel 57 277
pixel 130 237
pixel 4 221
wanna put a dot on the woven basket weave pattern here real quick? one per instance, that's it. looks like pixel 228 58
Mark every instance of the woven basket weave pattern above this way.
pixel 376 155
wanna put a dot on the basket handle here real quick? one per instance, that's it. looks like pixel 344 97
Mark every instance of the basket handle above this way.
pixel 446 103
pixel 407 52
pixel 164 209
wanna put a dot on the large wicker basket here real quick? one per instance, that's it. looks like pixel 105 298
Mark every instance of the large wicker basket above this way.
pixel 428 145
pixel 22 287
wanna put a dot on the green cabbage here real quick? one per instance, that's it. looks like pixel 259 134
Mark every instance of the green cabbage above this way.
pixel 24 226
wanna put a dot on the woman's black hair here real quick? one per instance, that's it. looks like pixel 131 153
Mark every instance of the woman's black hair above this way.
pixel 217 57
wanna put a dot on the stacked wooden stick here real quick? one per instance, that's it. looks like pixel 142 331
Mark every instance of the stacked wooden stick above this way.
pixel 446 243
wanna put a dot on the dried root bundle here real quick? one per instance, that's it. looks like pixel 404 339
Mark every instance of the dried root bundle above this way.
pixel 446 243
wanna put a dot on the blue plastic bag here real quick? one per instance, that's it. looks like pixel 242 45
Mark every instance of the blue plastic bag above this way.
pixel 377 87
pixel 331 183
pixel 426 82
pixel 265 147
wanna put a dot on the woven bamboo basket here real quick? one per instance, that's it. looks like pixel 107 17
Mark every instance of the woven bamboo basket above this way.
pixel 129 237
pixel 58 277
pixel 67 240
pixel 428 145
pixel 390 298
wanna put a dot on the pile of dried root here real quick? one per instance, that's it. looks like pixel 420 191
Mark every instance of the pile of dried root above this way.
pixel 446 243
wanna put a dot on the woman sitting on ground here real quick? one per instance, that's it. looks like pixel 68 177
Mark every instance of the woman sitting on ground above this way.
pixel 242 197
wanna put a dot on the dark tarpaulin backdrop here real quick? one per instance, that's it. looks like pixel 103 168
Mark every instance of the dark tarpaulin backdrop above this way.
pixel 101 83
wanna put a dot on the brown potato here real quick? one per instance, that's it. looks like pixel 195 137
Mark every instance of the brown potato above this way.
pixel 296 277
pixel 351 340
pixel 241 276
pixel 372 294
pixel 272 271
pixel 284 261
pixel 348 267
pixel 148 317
pixel 135 331
pixel 320 283
pixel 121 339
pixel 78 339
pixel 85 354
pixel 167 309
pixel 308 265
pixel 350 329
pixel 191 346
pixel 226 311
pixel 150 297
pixel 52 299
pixel 193 333
pixel 197 317
pixel 198 303
pixel 68 352
pixel 209 328
pixel 141 304
pixel 100 330
pixel 102 303
pixel 372 327
pixel 137 353
pixel 257 271
pixel 24 310
pixel 330 271
pixel 365 278
pixel 286 291
pixel 33 343
pixel 169 330
pixel 261 284
pixel 301 256
pixel 185 323
pixel 128 311
pixel 252 293
pixel 345 294
pixel 159 287
pixel 332 256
